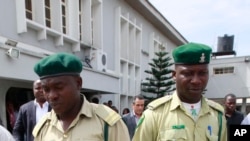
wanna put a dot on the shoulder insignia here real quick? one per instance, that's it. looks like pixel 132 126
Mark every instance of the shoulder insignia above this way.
pixel 107 114
pixel 40 124
pixel 156 103
pixel 215 105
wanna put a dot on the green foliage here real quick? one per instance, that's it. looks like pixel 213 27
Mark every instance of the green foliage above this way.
pixel 160 81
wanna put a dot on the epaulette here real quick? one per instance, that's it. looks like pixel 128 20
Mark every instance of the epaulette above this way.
pixel 40 124
pixel 156 103
pixel 215 105
pixel 107 114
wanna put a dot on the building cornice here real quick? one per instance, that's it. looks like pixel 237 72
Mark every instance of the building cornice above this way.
pixel 149 12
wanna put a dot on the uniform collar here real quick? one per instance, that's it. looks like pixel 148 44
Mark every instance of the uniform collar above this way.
pixel 176 102
pixel 87 107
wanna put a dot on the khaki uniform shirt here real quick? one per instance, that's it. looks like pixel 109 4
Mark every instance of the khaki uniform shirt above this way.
pixel 166 119
pixel 87 126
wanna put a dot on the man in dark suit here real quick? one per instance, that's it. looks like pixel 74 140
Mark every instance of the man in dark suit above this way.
pixel 30 113
pixel 131 119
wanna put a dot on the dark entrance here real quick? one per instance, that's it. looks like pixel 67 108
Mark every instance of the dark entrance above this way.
pixel 16 97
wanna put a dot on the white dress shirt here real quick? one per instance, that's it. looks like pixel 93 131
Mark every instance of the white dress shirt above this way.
pixel 41 111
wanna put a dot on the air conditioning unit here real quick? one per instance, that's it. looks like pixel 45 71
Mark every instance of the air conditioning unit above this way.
pixel 99 60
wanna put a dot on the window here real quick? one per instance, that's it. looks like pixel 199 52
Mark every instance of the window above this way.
pixel 95 23
pixel 47 13
pixel 223 70
pixel 80 20
pixel 28 6
pixel 64 16
pixel 60 19
pixel 158 45
pixel 130 34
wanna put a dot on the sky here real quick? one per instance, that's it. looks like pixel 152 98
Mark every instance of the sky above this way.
pixel 204 21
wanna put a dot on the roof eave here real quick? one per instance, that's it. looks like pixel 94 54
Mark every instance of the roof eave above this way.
pixel 149 12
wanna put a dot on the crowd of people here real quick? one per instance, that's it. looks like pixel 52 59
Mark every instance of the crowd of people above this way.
pixel 60 112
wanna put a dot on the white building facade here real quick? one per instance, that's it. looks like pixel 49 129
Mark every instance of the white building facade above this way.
pixel 230 74
pixel 115 39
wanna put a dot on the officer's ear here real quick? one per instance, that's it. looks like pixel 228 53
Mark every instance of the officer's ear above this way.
pixel 78 80
pixel 174 74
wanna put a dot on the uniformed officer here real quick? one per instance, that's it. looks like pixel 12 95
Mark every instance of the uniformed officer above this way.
pixel 73 118
pixel 186 115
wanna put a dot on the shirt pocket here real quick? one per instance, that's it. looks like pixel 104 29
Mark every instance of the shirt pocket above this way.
pixel 212 137
pixel 173 135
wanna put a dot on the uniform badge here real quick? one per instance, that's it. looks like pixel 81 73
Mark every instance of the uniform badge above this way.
pixel 202 58
pixel 178 127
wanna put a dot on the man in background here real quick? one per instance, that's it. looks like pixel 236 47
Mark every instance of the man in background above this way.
pixel 95 100
pixel 233 116
pixel 30 113
pixel 110 103
pixel 131 119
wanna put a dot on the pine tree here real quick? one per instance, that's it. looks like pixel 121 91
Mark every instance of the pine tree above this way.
pixel 160 81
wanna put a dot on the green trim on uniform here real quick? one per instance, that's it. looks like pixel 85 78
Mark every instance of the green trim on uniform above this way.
pixel 140 121
pixel 106 131
pixel 220 124
pixel 220 110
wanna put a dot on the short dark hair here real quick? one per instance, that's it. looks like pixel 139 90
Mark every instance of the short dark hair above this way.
pixel 140 97
pixel 125 109
pixel 229 95
pixel 95 100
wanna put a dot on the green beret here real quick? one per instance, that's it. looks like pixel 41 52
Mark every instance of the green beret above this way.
pixel 58 65
pixel 191 54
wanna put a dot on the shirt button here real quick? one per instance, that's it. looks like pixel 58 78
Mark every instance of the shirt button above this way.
pixel 65 135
